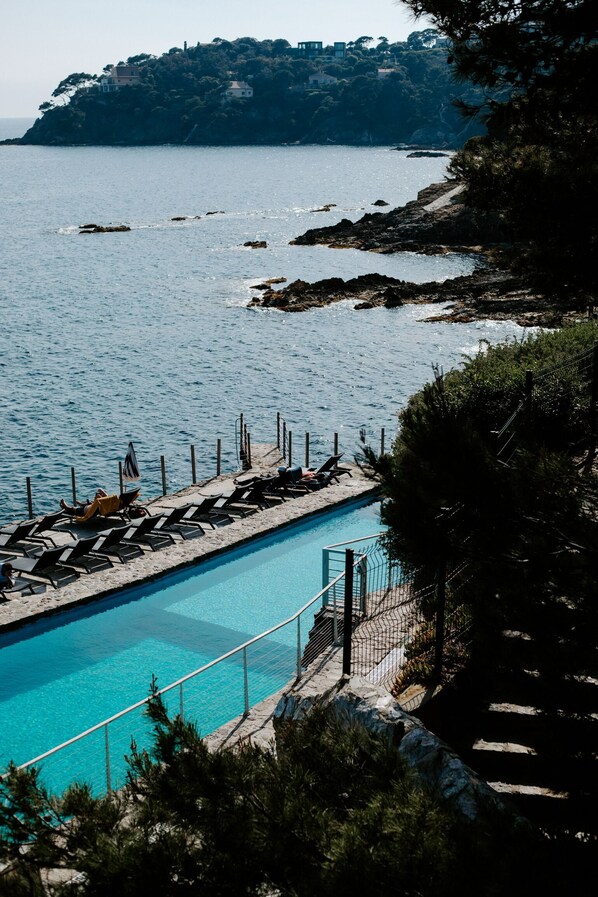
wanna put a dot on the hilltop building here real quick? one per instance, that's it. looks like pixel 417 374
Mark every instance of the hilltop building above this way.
pixel 119 76
pixel 238 90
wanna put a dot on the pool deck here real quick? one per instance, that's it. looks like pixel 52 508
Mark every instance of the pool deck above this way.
pixel 22 609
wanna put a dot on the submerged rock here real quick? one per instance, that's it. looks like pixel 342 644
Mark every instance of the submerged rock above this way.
pixel 108 229
pixel 256 244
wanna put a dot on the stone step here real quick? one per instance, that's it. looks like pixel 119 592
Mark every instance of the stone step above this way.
pixel 522 764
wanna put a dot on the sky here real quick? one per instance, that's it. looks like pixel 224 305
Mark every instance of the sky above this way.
pixel 42 42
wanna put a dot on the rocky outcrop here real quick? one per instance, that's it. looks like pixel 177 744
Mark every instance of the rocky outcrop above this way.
pixel 256 244
pixel 487 293
pixel 358 702
pixel 101 229
pixel 436 222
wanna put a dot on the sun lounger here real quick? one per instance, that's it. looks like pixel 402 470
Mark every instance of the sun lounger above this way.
pixel 45 523
pixel 15 537
pixel 204 512
pixel 108 506
pixel 47 565
pixel 142 533
pixel 330 467
pixel 110 544
pixel 173 521
pixel 81 554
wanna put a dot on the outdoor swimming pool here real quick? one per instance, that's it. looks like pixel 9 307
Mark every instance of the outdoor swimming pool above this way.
pixel 63 675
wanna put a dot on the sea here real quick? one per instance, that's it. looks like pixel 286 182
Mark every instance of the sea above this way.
pixel 147 336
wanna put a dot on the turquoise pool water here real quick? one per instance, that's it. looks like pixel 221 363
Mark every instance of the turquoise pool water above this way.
pixel 61 676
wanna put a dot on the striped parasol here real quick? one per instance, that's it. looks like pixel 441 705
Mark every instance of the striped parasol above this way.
pixel 130 467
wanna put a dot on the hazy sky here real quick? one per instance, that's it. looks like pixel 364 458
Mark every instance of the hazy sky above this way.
pixel 42 42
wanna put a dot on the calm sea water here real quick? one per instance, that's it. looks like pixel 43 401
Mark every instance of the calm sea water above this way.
pixel 146 335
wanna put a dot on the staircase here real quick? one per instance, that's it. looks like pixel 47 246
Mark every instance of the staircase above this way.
pixel 530 729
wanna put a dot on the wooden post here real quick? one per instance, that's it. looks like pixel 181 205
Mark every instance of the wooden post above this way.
pixel 382 441
pixel 29 498
pixel 218 457
pixel 594 395
pixel 163 466
pixel 529 388
pixel 278 430
pixel 290 457
pixel 120 476
pixel 74 485
pixel 241 440
pixel 193 468
pixel 348 613
pixel 440 615
pixel 284 439
pixel 307 449
pixel 249 450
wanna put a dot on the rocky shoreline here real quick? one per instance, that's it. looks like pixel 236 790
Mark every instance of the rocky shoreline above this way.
pixel 437 222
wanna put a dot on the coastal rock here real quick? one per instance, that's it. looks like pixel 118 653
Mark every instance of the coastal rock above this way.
pixel 426 154
pixel 108 229
pixel 436 222
pixel 359 703
pixel 216 213
pixel 486 293
pixel 266 284
pixel 301 295
pixel 380 202
pixel 326 208
pixel 256 244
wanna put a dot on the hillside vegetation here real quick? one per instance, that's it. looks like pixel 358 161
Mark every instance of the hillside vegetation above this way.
pixel 179 97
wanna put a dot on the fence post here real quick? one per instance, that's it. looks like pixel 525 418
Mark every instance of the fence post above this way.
pixel 299 647
pixel 284 439
pixel 245 683
pixel 74 485
pixel 348 612
pixel 29 498
pixel 193 468
pixel 108 776
pixel 278 430
pixel 241 440
pixel 248 450
pixel 529 388
pixel 163 467
pixel 307 449
pixel 218 456
pixel 594 396
pixel 181 708
pixel 335 443
pixel 382 441
pixel 290 457
pixel 440 618
pixel 120 476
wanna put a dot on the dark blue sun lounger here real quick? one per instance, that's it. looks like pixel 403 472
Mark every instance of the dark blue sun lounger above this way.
pixel 81 554
pixel 142 533
pixel 47 566
pixel 110 544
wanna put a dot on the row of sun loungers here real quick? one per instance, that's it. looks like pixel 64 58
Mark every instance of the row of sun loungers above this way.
pixel 38 559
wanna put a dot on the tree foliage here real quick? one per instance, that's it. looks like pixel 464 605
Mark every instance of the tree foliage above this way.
pixel 538 163
pixel 527 526
pixel 333 811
